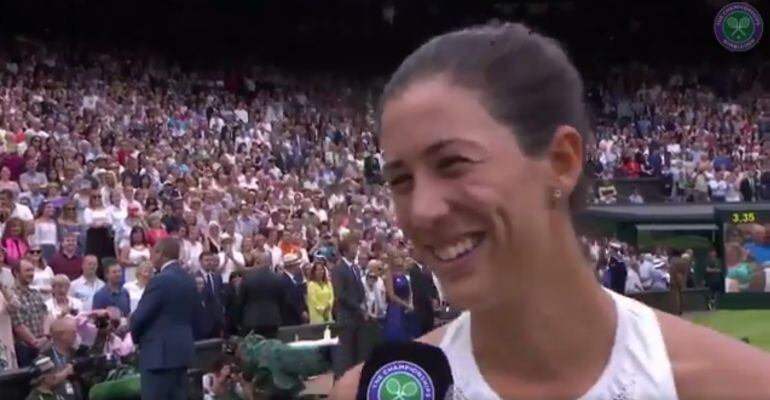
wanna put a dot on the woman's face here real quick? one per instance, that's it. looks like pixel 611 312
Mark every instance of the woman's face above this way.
pixel 49 210
pixel 137 237
pixel 15 229
pixel 318 272
pixel 464 191
pixel 5 173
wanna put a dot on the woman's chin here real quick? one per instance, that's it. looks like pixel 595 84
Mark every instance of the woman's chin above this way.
pixel 468 296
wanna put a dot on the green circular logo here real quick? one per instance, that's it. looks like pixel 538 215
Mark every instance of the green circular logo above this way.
pixel 738 26
pixel 400 386
pixel 400 380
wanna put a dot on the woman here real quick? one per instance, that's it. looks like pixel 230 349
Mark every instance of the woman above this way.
pixel 61 303
pixel 43 279
pixel 399 315
pixel 251 255
pixel 99 234
pixel 46 230
pixel 192 248
pixel 69 224
pixel 156 231
pixel 14 241
pixel 8 302
pixel 482 132
pixel 135 288
pixel 6 183
pixel 133 253
pixel 320 295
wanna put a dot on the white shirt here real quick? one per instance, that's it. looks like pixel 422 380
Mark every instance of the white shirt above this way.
pixel 375 298
pixel 56 310
pixel 134 293
pixel 46 232
pixel 22 212
pixel 639 367
pixel 227 265
pixel 84 290
pixel 42 281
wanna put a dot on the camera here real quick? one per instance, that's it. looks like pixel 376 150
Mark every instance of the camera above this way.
pixel 102 322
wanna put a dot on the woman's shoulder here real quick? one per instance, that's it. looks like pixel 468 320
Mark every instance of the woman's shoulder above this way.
pixel 702 360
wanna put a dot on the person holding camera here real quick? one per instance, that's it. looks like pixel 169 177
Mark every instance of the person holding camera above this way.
pixel 61 353
pixel 48 378
pixel 226 382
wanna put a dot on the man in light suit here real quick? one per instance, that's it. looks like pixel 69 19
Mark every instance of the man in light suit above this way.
pixel 162 325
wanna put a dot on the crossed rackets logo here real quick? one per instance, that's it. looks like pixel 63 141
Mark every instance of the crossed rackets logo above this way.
pixel 738 26
pixel 400 387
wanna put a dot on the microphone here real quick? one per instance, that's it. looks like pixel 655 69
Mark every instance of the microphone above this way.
pixel 405 371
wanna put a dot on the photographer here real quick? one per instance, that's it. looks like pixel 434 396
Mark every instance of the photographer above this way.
pixel 105 332
pixel 48 379
pixel 226 382
pixel 61 353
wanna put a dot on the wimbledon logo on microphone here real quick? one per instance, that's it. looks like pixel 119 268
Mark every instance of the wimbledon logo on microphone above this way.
pixel 400 380
pixel 738 27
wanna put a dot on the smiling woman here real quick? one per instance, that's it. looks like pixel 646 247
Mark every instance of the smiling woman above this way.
pixel 483 132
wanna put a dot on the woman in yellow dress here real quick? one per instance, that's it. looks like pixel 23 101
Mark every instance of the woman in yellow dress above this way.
pixel 320 295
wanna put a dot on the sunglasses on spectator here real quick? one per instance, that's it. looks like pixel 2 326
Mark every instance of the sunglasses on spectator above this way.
pixel 34 251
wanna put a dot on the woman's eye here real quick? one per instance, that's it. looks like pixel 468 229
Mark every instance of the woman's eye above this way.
pixel 450 163
pixel 399 180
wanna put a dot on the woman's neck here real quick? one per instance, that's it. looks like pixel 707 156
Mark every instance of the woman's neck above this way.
pixel 61 299
pixel 566 315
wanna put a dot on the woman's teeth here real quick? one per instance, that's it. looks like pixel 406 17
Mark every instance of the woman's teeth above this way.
pixel 458 249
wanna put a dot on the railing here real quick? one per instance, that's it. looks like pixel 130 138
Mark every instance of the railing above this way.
pixel 14 384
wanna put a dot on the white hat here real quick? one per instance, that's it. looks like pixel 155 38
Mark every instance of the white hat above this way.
pixel 291 258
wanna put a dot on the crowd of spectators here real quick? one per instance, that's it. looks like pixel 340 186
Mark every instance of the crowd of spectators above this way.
pixel 697 132
pixel 102 155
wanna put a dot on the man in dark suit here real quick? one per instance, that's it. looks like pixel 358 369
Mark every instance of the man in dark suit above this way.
pixel 749 186
pixel 261 298
pixel 295 308
pixel 424 297
pixel 349 305
pixel 213 293
pixel 162 325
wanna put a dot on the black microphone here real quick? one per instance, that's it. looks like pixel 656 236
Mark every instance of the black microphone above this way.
pixel 405 371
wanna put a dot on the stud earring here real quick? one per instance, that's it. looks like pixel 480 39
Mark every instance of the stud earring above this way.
pixel 556 194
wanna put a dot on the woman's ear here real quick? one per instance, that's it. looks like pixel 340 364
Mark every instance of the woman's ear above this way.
pixel 566 158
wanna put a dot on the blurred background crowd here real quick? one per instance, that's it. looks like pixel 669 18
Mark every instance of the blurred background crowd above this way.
pixel 262 170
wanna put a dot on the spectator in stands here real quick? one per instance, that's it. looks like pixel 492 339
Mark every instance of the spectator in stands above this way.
pixel 69 225
pixel 133 253
pixel 61 303
pixel 46 232
pixel 29 318
pixel 87 284
pixel 14 241
pixel 67 261
pixel 113 294
pixel 43 273
pixel 320 294
pixel 135 288
pixel 8 302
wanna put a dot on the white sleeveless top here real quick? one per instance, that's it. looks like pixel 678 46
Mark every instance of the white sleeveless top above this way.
pixel 638 368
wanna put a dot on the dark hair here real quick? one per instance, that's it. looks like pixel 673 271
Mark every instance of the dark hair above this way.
pixel 134 230
pixel 526 80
